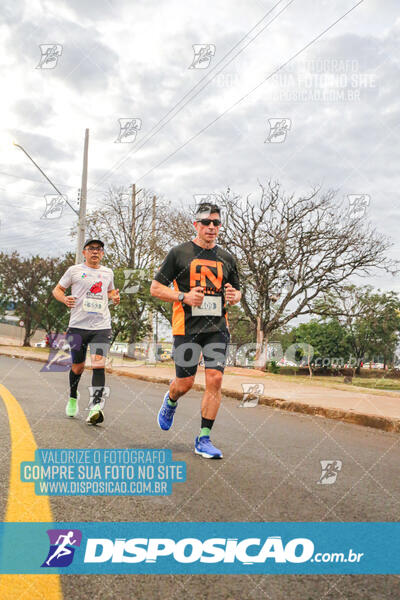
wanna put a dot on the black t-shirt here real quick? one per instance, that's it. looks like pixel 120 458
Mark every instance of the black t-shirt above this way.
pixel 187 266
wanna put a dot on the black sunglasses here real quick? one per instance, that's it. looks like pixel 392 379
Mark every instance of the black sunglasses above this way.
pixel 215 222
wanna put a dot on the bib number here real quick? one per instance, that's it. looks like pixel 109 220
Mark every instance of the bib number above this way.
pixel 94 305
pixel 211 307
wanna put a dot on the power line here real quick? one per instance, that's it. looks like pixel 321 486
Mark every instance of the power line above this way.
pixel 28 244
pixel 30 179
pixel 25 238
pixel 252 90
pixel 41 182
pixel 11 193
pixel 148 137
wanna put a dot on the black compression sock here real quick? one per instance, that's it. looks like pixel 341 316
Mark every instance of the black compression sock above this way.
pixel 73 383
pixel 206 426
pixel 98 381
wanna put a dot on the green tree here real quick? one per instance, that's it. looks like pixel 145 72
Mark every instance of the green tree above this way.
pixel 129 318
pixel 29 282
pixel 371 319
pixel 48 313
pixel 327 339
pixel 5 298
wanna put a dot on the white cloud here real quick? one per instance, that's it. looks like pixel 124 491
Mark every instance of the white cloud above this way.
pixel 123 60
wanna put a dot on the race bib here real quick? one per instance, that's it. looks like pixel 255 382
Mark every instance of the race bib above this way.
pixel 211 307
pixel 95 305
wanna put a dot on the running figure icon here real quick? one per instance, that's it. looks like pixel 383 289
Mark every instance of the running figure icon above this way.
pixel 62 549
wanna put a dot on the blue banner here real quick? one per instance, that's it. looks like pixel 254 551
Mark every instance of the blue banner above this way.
pixel 229 548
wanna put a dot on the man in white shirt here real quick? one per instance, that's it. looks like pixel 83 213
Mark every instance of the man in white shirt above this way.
pixel 92 285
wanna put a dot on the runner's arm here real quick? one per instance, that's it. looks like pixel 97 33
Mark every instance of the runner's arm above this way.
pixel 163 292
pixel 232 291
pixel 59 294
pixel 193 298
pixel 59 291
pixel 238 297
pixel 160 285
pixel 112 293
pixel 114 296
pixel 232 295
pixel 165 276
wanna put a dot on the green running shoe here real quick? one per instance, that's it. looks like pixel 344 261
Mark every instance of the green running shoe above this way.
pixel 95 416
pixel 72 408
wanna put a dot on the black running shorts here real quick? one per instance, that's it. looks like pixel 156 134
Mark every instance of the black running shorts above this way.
pixel 99 341
pixel 187 349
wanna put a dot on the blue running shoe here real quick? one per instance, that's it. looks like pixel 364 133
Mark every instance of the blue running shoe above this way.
pixel 204 447
pixel 166 414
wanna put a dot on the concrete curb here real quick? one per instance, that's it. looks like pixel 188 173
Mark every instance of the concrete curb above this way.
pixel 367 420
pixel 383 423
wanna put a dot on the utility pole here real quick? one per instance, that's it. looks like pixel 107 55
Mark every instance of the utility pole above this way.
pixel 153 241
pixel 153 345
pixel 133 228
pixel 153 252
pixel 82 204
pixel 153 234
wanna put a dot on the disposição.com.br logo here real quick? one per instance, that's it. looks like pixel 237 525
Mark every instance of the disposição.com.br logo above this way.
pixel 62 547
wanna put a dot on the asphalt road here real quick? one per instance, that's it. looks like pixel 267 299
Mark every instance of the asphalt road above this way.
pixel 270 471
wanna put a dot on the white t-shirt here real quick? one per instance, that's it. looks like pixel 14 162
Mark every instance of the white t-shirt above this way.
pixel 90 287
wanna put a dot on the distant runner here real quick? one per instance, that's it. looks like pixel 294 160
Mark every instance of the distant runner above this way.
pixel 205 279
pixel 92 285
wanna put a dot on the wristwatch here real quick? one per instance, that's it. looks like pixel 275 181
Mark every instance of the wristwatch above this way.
pixel 181 297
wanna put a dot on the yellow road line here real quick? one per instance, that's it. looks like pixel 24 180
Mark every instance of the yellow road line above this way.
pixel 24 506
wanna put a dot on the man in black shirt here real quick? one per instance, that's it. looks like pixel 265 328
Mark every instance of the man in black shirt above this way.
pixel 205 279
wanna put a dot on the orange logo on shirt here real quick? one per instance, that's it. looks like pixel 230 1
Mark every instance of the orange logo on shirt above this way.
pixel 207 273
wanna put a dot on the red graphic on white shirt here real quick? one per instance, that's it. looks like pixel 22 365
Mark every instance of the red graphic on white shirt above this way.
pixel 96 287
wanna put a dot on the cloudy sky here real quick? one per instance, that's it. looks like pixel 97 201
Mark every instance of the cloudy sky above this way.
pixel 201 129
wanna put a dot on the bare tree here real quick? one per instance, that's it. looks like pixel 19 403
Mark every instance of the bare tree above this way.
pixel 125 225
pixel 290 251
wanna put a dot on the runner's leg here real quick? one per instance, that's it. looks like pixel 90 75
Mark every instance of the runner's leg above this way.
pixel 212 396
pixel 186 358
pixel 74 378
pixel 209 408
pixel 78 345
pixel 99 346
pixel 180 386
pixel 214 352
